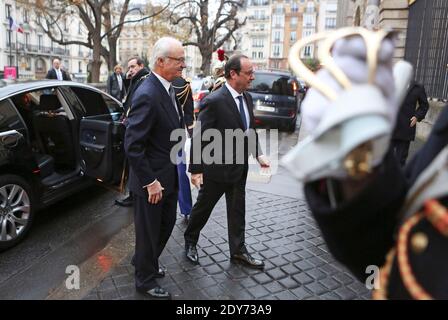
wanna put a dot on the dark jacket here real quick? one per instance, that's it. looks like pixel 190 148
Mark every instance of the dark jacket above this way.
pixel 113 87
pixel 416 95
pixel 183 92
pixel 51 74
pixel 134 84
pixel 151 120
pixel 219 111
pixel 361 231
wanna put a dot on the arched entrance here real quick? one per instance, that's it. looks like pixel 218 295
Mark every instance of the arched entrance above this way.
pixel 41 68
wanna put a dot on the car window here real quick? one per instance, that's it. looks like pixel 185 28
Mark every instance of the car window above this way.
pixel 273 84
pixel 9 119
pixel 96 103
pixel 73 101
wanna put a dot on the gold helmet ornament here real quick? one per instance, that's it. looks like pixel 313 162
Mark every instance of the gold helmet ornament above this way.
pixel 350 110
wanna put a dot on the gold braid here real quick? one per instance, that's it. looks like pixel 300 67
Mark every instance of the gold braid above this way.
pixel 183 95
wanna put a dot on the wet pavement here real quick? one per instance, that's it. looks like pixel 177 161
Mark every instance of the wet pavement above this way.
pixel 88 231
pixel 279 230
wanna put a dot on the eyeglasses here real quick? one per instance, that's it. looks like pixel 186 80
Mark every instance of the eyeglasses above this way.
pixel 248 73
pixel 181 60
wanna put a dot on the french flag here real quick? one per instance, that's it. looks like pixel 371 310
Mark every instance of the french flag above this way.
pixel 13 26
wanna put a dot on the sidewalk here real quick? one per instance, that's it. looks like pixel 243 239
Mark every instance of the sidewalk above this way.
pixel 278 229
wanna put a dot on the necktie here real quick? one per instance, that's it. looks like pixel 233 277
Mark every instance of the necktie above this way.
pixel 173 100
pixel 242 113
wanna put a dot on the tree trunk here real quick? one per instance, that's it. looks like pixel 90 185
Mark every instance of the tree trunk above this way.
pixel 96 61
pixel 206 61
pixel 112 61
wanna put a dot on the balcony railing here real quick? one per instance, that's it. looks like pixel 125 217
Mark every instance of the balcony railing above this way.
pixel 32 48
pixel 262 18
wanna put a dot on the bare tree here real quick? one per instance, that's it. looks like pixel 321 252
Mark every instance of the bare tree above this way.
pixel 97 17
pixel 209 30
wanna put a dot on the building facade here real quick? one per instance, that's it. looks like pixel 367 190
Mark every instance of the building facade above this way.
pixel 33 51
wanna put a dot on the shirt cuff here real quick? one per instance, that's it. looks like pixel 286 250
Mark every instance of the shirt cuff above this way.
pixel 148 185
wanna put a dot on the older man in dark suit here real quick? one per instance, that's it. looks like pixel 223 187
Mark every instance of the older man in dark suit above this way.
pixel 57 73
pixel 229 108
pixel 155 113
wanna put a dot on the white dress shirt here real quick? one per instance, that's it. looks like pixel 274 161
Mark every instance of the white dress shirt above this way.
pixel 120 81
pixel 59 74
pixel 235 96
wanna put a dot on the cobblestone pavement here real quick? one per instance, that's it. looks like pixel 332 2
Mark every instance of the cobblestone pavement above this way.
pixel 279 229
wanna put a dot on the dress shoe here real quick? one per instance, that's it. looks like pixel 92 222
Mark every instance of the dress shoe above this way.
pixel 192 253
pixel 248 260
pixel 161 272
pixel 126 202
pixel 156 292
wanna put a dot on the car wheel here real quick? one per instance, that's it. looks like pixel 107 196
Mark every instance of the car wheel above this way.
pixel 16 210
pixel 291 125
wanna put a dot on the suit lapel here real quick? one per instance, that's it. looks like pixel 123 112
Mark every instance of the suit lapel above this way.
pixel 166 101
pixel 232 103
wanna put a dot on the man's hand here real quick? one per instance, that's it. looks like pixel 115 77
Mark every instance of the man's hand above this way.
pixel 263 161
pixel 155 192
pixel 413 121
pixel 196 179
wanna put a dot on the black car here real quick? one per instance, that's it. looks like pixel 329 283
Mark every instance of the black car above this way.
pixel 56 137
pixel 277 97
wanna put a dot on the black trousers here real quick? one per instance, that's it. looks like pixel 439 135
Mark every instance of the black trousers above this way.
pixel 209 194
pixel 153 227
pixel 401 150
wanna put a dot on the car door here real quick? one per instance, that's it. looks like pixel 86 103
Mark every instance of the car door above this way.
pixel 101 138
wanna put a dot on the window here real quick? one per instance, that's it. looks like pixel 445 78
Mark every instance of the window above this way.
pixel 8 10
pixel 79 66
pixel 294 7
pixel 8 37
pixel 28 63
pixel 96 103
pixel 330 23
pixel 254 55
pixel 260 55
pixel 307 51
pixel 294 21
pixel 27 41
pixel 40 41
pixel 26 16
pixel 257 43
pixel 79 28
pixel 79 51
pixel 277 36
pixel 273 83
pixel 293 36
pixel 40 65
pixel 276 51
pixel 9 119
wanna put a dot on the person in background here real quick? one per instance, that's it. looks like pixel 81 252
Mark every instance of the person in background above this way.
pixel 115 84
pixel 137 73
pixel 407 119
pixel 56 72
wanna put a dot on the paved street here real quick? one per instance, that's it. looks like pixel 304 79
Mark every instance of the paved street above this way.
pixel 88 231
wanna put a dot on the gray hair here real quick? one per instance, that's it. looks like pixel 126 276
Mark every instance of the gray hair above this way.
pixel 162 48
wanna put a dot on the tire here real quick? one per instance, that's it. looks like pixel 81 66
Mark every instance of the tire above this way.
pixel 291 125
pixel 17 209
